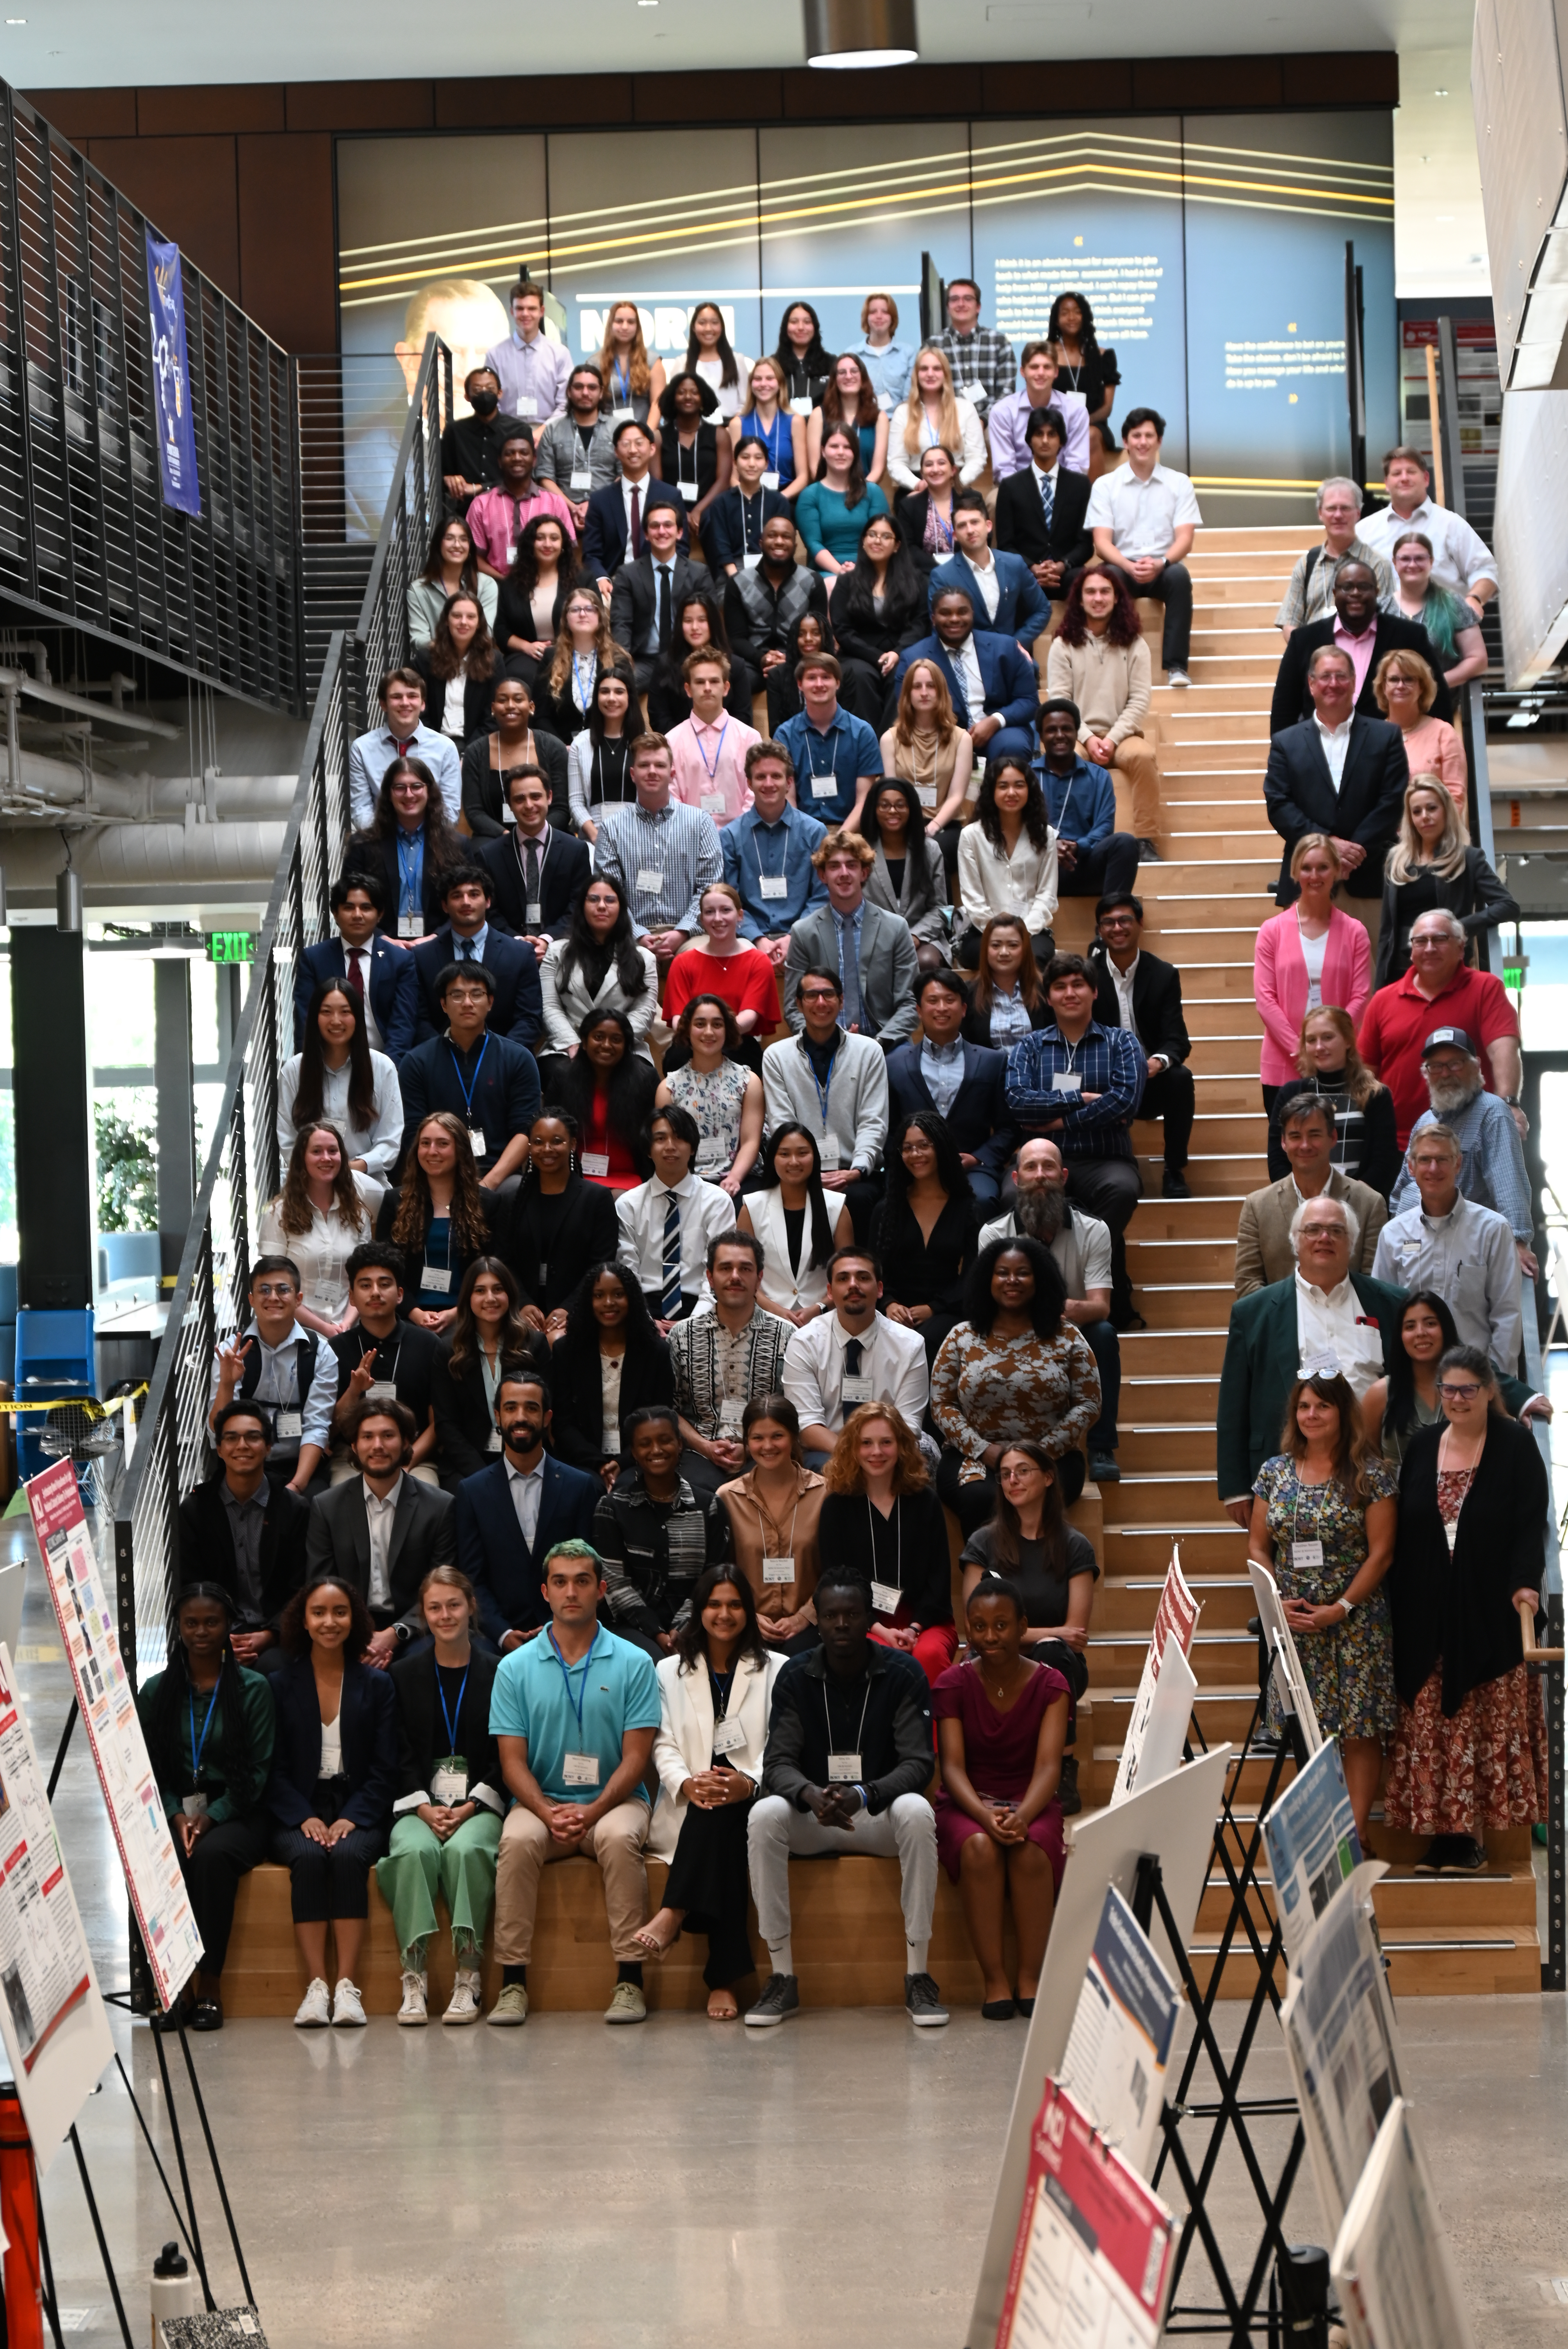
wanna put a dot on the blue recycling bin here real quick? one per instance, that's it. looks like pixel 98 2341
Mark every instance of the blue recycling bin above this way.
pixel 54 1364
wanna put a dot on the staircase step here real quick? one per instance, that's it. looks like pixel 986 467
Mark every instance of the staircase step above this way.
pixel 1215 1548
pixel 1174 1444
pixel 1150 1352
pixel 1187 1494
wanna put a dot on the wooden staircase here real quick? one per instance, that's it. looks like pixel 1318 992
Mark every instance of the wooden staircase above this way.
pixel 1203 907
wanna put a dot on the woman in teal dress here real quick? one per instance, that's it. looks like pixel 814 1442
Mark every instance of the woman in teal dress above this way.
pixel 834 509
pixel 1324 1513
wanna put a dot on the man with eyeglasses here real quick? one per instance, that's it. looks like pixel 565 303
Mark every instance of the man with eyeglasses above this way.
pixel 246 1533
pixel 1445 1242
pixel 277 1361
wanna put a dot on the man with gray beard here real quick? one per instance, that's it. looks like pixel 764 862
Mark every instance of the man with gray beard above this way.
pixel 1492 1171
pixel 1081 1246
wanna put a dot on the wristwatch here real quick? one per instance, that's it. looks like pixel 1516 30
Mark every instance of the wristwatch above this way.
pixel 1349 1607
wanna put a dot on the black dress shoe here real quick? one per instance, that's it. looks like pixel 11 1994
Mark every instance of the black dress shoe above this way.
pixel 1175 1185
pixel 208 2014
pixel 1435 1857
pixel 1465 1856
pixel 997 2010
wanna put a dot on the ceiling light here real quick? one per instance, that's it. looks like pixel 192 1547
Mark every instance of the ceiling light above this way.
pixel 1439 93
pixel 15 20
pixel 858 34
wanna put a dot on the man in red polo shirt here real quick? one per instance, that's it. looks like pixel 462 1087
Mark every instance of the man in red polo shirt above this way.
pixel 1438 991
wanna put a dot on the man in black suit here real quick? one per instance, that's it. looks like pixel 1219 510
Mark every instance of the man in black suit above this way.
pixel 966 1084
pixel 381 974
pixel 527 1487
pixel 1337 774
pixel 468 935
pixel 1139 992
pixel 537 874
pixel 1359 627
pixel 650 590
pixel 383 1530
pixel 616 514
pixel 244 1530
pixel 1040 512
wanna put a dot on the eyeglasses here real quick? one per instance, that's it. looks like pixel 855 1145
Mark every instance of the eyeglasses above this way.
pixel 1459 1394
pixel 273 1292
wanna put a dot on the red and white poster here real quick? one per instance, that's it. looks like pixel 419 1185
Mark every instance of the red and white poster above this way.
pixel 82 1608
pixel 1175 1621
pixel 1091 2264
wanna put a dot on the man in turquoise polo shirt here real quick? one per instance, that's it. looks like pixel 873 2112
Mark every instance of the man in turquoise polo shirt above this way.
pixel 573 1712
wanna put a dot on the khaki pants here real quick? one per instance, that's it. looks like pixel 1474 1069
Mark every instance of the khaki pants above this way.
pixel 1135 759
pixel 526 1845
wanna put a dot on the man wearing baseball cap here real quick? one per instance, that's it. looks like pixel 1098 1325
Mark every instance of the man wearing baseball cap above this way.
pixel 1491 1171
pixel 1436 992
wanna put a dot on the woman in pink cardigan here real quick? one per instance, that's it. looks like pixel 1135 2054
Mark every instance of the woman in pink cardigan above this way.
pixel 1405 690
pixel 1309 954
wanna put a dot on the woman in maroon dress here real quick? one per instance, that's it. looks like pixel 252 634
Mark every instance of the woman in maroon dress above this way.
pixel 1001 1721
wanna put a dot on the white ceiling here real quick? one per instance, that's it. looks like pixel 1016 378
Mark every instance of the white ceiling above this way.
pixel 99 43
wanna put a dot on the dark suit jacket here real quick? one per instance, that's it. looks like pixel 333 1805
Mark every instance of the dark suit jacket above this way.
pixel 580 1403
pixel 482 799
pixel 980 1122
pixel 1022 607
pixel 1011 681
pixel 1299 793
pixel 1156 1003
pixel 364 854
pixel 858 637
pixel 723 525
pixel 1475 895
pixel 207 1546
pixel 1021 520
pixel 369 1729
pixel 1392 633
pixel 463 1423
pixel 633 599
pixel 423 1535
pixel 478 692
pixel 422 1738
pixel 1262 1358
pixel 566 873
pixel 517 1008
pixel 588 1234
pixel 604 527
pixel 508 1577
pixel 394 989
pixel 910 516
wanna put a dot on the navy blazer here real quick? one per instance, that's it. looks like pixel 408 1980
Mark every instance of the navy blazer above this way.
pixel 508 1578
pixel 394 989
pixel 566 873
pixel 979 1120
pixel 1011 681
pixel 1022 607
pixel 368 1717
pixel 517 1008
pixel 605 531
pixel 723 525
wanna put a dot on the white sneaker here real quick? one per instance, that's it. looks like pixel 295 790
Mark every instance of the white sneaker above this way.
pixel 415 2010
pixel 1177 676
pixel 465 2003
pixel 347 2006
pixel 314 2008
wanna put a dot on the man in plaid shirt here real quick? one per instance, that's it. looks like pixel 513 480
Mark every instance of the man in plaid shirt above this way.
pixel 985 364
pixel 1081 1083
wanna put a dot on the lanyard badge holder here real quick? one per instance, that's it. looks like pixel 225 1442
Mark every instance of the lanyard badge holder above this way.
pixel 449 1776
pixel 195 1804
pixel 577 1768
pixel 888 1597
pixel 844 1767
pixel 477 1141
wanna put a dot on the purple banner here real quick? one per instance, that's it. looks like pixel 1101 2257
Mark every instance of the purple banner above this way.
pixel 171 379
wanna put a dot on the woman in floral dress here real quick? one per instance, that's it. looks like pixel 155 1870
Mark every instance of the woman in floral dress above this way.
pixel 1017 1367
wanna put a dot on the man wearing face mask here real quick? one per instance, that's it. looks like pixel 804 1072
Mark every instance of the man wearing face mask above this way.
pixel 470 445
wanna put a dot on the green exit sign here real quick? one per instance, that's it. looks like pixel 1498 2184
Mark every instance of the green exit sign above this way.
pixel 230 945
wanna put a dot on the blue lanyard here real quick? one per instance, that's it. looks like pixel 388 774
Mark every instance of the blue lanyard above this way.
pixel 824 1090
pixel 467 1091
pixel 411 869
pixel 440 1691
pixel 623 376
pixel 574 1701
pixel 197 1750
pixel 711 772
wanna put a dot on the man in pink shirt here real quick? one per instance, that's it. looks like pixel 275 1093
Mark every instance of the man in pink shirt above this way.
pixel 709 747
pixel 498 518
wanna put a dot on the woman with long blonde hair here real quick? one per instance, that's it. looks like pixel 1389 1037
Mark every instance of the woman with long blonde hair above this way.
pixel 1366 1147
pixel 926 745
pixel 764 417
pixel 882 1518
pixel 935 416
pixel 631 384
pixel 1432 869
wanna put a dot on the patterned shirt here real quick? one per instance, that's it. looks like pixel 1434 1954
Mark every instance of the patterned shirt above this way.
pixel 985 364
pixel 997 1390
pixel 714 1366
pixel 664 858
pixel 652 1552
pixel 1310 594
pixel 1106 1061
pixel 1491 1172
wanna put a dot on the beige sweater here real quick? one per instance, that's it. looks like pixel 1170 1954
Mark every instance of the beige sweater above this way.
pixel 1108 682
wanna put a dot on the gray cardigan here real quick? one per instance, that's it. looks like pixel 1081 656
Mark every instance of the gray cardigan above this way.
pixel 857 1096
pixel 923 904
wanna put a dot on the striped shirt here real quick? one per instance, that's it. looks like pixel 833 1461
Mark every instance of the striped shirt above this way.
pixel 664 858
pixel 713 1365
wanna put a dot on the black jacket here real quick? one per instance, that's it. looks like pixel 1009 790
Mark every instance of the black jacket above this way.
pixel 368 1717
pixel 564 877
pixel 414 1258
pixel 207 1546
pixel 588 1232
pixel 866 639
pixel 478 692
pixel 647 1376
pixel 1291 698
pixel 1021 519
pixel 909 515
pixel 1299 793
pixel 424 1535
pixel 1476 895
pixel 604 535
pixel 422 1739
pixel 407 1356
pixel 733 522
pixel 634 599
pixel 911 1547
pixel 560 715
pixel 980 1122
pixel 759 616
pixel 887 1709
pixel 517 1007
pixel 1458 1610
pixel 481 785
pixel 1156 1001
pixel 463 1423
pixel 394 990
pixel 365 854
pixel 514 618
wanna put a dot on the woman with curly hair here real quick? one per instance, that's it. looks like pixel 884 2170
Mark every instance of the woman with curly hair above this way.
pixel 1082 366
pixel 409 844
pixel 926 1229
pixel 609 1361
pixel 318 1218
pixel 450 569
pixel 460 667
pixel 1015 1366
pixel 332 1782
pixel 559 1222
pixel 440 1217
pixel 488 1340
pixel 695 451
pixel 882 1519
pixel 1100 661
pixel 533 595
pixel 583 652
pixel 1008 861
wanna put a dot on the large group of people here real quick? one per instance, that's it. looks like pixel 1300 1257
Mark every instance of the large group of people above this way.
pixel 701 1171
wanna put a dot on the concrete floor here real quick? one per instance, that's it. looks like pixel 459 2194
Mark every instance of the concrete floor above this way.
pixel 573 2188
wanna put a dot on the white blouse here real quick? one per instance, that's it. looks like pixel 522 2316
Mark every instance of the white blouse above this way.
pixel 991 882
pixel 321 1254
pixel 976 455
pixel 610 1368
pixel 379 1143
pixel 731 397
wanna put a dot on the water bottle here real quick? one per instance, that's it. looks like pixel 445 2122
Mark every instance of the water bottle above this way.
pixel 174 2293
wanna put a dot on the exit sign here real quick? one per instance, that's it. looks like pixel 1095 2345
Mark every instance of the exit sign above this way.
pixel 230 945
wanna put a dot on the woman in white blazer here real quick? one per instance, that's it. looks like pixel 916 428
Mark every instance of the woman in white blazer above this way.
pixel 715 1694
pixel 598 966
pixel 1007 860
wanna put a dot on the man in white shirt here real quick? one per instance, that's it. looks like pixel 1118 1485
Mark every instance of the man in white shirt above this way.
pixel 532 370
pixel 854 1354
pixel 1143 516
pixel 1465 1252
pixel 1461 560
pixel 402 734
pixel 708 749
pixel 1081 1246
pixel 667 1221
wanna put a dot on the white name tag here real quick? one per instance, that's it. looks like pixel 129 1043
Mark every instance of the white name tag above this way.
pixel 885 403
pixel 622 415
pixel 858 1389
pixel 1306 1557
pixel 800 408
pixel 477 1141
pixel 650 877
pixel 971 391
pixel 927 795
pixel 194 1806
pixel 728 1736
pixel 713 801
pixel 582 480
pixel 381 1390
pixel 712 1154
pixel 610 1440
pixel 449 1781
pixel 752 562
pixel 731 1408
pixel 886 1598
pixel 436 1278
pixel 289 1424
pixel 770 886
pixel 769 481
pixel 844 1769
pixel 824 787
pixel 1068 1081
pixel 533 911
pixel 579 1769
pixel 410 925
pixel 1451 1533
pixel 827 1151
pixel 493 1442
pixel 688 491
pixel 777 1569
pixel 594 1162
pixel 527 405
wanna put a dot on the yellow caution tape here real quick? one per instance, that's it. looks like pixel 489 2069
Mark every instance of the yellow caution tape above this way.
pixel 89 1404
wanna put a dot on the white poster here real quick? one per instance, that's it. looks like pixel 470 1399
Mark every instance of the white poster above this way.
pixel 1120 2046
pixel 1312 1843
pixel 1092 2262
pixel 1390 2262
pixel 1175 1619
pixel 1289 1680
pixel 1342 2039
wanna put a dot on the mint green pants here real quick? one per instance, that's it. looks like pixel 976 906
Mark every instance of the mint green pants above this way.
pixel 462 1870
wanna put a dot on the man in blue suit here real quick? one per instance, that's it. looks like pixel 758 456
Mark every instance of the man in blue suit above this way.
pixel 607 534
pixel 511 1515
pixel 384 973
pixel 1003 591
pixel 965 1083
pixel 468 934
pixel 983 667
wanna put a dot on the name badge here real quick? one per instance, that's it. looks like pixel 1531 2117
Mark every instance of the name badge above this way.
pixel 752 562
pixel 768 887
pixel 477 1141
pixel 971 391
pixel 799 408
pixel 844 1769
pixel 828 1153
pixel 885 403
pixel 511 554
pixel 194 1806
pixel 622 415
pixel 450 1780
pixel 436 1278
pixel 769 481
pixel 582 480
pixel 527 405
pixel 579 1769
pixel 610 1440
pixel 594 1161
pixel 712 802
pixel 543 1272
pixel 886 1598
pixel 1068 1081
pixel 289 1424
pixel 381 1390
pixel 713 1156
pixel 824 787
pixel 858 1389
pixel 927 795
pixel 533 911
pixel 731 1407
pixel 728 1736
pixel 1451 1533
pixel 650 877
pixel 688 491
pixel 1306 1557
pixel 777 1569
pixel 494 1440
pixel 410 925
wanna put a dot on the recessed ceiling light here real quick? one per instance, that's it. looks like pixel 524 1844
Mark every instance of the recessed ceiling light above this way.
pixel 15 20
pixel 1439 93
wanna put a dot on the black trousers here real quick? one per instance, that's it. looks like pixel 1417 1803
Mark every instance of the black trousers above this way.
pixel 212 1870
pixel 862 1196
pixel 329 1880
pixel 1096 872
pixel 863 691
pixel 973 1503
pixel 1173 588
pixel 1110 1188
pixel 1106 1347
pixel 708 1879
pixel 1171 1097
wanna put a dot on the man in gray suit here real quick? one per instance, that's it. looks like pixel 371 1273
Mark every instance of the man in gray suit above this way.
pixel 872 950
pixel 1263 1250
pixel 382 1530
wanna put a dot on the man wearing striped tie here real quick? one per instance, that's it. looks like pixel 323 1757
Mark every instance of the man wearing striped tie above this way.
pixel 667 1221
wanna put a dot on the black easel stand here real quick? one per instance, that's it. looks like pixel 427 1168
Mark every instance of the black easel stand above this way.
pixel 1238 1845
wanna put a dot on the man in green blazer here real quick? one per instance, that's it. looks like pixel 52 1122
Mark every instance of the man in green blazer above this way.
pixel 1322 1311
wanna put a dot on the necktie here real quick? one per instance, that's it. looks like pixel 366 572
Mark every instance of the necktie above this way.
pixel 663 608
pixel 1048 499
pixel 852 1350
pixel 849 972
pixel 465 949
pixel 670 1287
pixel 356 976
pixel 530 882
pixel 637 522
